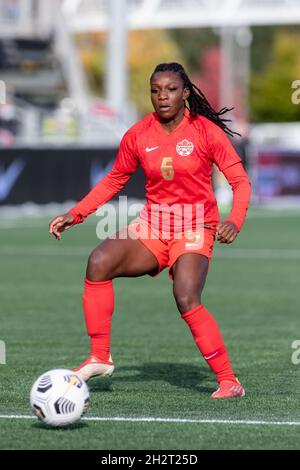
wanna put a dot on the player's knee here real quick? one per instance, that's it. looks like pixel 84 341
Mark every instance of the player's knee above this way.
pixel 186 300
pixel 98 268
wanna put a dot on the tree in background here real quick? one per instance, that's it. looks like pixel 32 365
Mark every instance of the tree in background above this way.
pixel 275 64
pixel 146 50
pixel 271 90
pixel 194 43
pixel 203 55
pixel 92 53
pixel 207 78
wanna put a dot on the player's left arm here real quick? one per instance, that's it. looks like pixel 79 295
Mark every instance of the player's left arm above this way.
pixel 228 229
pixel 228 161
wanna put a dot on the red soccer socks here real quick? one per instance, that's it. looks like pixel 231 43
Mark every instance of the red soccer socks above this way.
pixel 98 304
pixel 209 340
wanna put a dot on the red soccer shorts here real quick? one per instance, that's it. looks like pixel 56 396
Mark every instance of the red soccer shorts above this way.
pixel 167 249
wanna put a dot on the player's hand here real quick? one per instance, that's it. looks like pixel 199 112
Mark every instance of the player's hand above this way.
pixel 226 232
pixel 60 224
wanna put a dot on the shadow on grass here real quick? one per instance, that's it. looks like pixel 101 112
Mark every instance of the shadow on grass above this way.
pixel 71 427
pixel 179 375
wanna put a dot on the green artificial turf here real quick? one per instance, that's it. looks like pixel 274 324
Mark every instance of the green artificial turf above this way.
pixel 252 290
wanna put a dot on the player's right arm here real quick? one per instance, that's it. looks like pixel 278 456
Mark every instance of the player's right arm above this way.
pixel 126 163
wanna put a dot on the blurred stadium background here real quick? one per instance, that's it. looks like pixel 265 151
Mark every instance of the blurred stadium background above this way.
pixel 75 76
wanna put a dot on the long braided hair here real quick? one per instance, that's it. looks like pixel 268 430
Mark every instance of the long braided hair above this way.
pixel 197 101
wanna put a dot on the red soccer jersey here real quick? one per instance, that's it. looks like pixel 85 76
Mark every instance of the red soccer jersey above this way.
pixel 178 167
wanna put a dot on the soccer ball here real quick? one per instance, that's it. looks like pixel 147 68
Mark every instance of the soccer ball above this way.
pixel 59 397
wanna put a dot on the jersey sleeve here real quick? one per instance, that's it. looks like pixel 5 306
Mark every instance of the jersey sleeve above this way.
pixel 241 187
pixel 220 149
pixel 125 165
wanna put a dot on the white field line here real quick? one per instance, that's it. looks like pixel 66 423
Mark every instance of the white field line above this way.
pixel 241 253
pixel 170 420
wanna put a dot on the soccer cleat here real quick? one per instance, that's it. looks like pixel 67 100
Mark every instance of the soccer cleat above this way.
pixel 92 367
pixel 229 389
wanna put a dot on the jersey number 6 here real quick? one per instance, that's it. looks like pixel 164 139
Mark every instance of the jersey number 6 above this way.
pixel 166 168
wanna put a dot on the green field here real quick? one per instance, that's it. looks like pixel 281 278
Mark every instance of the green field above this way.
pixel 253 291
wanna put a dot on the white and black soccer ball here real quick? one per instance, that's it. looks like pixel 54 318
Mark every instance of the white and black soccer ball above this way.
pixel 59 397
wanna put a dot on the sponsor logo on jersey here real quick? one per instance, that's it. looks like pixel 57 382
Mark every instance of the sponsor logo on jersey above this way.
pixel 184 148
pixel 149 149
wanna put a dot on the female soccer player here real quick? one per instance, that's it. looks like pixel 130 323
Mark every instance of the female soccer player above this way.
pixel 176 147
